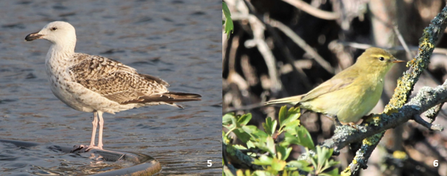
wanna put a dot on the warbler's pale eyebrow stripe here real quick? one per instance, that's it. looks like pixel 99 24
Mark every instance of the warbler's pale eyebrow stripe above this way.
pixel 379 55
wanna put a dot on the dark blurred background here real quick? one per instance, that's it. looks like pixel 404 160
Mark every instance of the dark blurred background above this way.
pixel 285 48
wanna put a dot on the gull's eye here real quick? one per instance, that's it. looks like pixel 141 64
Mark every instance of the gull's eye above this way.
pixel 53 28
pixel 381 58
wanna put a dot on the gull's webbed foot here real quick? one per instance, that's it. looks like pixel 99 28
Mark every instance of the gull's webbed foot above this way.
pixel 84 148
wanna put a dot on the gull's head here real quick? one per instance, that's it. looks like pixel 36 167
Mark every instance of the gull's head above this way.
pixel 57 32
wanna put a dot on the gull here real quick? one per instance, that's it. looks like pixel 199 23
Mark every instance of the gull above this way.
pixel 97 84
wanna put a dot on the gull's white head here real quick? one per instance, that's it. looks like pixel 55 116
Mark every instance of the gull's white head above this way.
pixel 57 32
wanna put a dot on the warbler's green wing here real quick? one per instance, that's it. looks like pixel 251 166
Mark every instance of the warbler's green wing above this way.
pixel 339 81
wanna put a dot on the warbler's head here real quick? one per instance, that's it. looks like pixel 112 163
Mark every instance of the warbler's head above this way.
pixel 376 60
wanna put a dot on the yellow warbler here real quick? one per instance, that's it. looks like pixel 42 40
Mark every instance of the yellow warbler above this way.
pixel 350 94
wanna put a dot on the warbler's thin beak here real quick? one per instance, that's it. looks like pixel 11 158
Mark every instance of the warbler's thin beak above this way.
pixel 33 36
pixel 397 61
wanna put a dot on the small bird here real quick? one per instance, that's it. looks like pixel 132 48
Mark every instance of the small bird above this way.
pixel 97 84
pixel 350 94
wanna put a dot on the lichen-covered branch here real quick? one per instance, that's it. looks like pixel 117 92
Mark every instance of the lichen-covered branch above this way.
pixel 426 98
pixel 404 87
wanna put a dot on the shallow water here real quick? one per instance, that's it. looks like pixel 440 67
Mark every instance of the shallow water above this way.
pixel 176 40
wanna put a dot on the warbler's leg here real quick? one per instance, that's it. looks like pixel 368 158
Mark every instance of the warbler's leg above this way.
pixel 337 122
pixel 369 115
pixel 351 124
pixel 332 118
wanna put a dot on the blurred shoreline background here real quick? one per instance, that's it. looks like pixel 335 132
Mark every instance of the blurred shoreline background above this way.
pixel 176 40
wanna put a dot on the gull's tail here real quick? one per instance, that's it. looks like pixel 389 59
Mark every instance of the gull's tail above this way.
pixel 173 97
pixel 180 96
pixel 169 98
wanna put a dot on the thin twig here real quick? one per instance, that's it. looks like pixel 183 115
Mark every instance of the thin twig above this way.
pixel 258 40
pixel 302 44
pixel 396 48
pixel 243 108
pixel 432 113
pixel 434 127
pixel 258 28
pixel 402 41
pixel 312 10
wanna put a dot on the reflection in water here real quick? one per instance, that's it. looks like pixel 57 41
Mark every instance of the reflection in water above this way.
pixel 93 162
pixel 178 41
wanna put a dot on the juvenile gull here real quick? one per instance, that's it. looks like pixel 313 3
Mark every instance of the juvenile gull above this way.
pixel 97 84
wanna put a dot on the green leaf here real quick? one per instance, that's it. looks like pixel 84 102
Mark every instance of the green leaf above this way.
pixel 254 132
pixel 322 162
pixel 333 163
pixel 250 129
pixel 305 138
pixel 270 144
pixel 284 152
pixel 263 160
pixel 295 173
pixel 321 157
pixel 292 115
pixel 290 127
pixel 278 165
pixel 240 147
pixel 300 164
pixel 242 135
pixel 288 120
pixel 244 119
pixel 291 139
pixel 262 173
pixel 270 126
pixel 282 115
pixel 229 121
pixel 323 154
pixel 225 138
pixel 333 172
pixel 250 144
pixel 226 119
pixel 228 21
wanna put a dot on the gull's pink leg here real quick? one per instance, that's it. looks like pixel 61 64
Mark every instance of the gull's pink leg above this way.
pixel 83 148
pixel 95 124
pixel 101 125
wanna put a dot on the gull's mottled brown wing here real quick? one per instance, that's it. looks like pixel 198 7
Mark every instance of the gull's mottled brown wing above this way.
pixel 114 80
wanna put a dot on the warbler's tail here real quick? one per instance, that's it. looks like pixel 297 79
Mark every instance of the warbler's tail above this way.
pixel 288 100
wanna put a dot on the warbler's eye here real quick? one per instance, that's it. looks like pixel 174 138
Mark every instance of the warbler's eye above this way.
pixel 53 28
pixel 381 58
